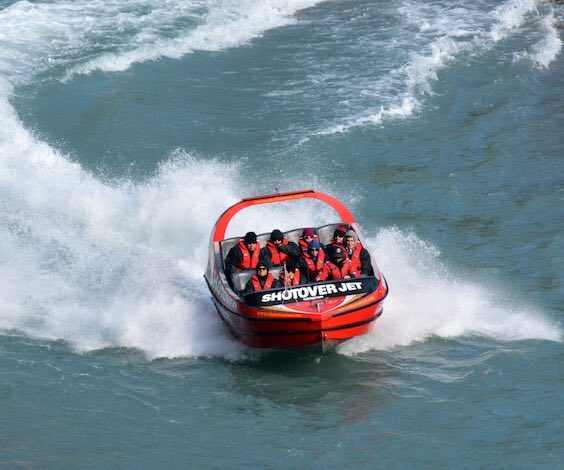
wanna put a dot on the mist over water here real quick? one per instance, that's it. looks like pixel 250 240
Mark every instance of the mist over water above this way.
pixel 437 124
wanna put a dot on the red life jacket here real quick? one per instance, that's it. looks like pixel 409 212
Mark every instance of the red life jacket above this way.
pixel 356 264
pixel 314 268
pixel 295 281
pixel 248 261
pixel 303 244
pixel 267 283
pixel 276 257
pixel 332 271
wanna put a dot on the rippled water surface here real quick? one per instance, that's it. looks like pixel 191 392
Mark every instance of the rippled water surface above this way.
pixel 128 127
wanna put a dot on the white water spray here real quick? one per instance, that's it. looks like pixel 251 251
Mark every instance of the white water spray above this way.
pixel 427 300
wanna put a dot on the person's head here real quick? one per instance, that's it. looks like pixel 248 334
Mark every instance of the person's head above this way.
pixel 291 265
pixel 262 269
pixel 308 235
pixel 276 237
pixel 337 255
pixel 339 234
pixel 350 239
pixel 251 240
pixel 313 248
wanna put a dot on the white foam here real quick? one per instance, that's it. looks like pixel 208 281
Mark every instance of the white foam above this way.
pixel 418 75
pixel 510 16
pixel 231 24
pixel 83 36
pixel 446 34
pixel 427 300
pixel 102 265
pixel 547 49
pixel 119 264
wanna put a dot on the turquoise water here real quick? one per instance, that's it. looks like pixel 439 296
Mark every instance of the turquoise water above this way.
pixel 128 127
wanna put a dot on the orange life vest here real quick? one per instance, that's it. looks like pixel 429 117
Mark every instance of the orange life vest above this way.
pixel 249 261
pixel 267 283
pixel 295 281
pixel 277 258
pixel 331 270
pixel 356 264
pixel 303 244
pixel 314 268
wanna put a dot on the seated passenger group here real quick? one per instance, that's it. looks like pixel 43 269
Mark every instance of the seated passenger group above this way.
pixel 308 261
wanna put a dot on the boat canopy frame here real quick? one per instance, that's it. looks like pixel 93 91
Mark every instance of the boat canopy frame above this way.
pixel 225 218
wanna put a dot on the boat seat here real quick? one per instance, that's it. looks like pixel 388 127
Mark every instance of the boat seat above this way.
pixel 240 279
pixel 226 245
pixel 263 238
pixel 325 233
pixel 275 271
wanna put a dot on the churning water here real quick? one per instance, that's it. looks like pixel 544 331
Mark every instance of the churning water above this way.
pixel 127 128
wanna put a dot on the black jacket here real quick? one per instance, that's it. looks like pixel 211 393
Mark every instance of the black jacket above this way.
pixel 291 249
pixel 366 268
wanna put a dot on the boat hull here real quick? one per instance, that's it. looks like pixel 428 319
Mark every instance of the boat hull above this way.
pixel 277 328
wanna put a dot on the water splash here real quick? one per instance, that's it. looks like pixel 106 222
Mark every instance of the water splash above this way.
pixel 427 300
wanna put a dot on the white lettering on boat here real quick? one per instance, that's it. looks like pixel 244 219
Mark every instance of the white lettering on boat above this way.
pixel 221 292
pixel 310 292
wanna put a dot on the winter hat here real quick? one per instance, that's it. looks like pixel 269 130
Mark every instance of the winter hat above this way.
pixel 276 235
pixel 337 253
pixel 352 234
pixel 313 244
pixel 261 265
pixel 340 230
pixel 250 237
pixel 308 232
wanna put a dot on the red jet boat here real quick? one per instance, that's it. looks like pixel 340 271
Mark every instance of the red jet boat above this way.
pixel 319 313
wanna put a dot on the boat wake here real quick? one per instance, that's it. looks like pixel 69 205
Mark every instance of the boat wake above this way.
pixel 428 301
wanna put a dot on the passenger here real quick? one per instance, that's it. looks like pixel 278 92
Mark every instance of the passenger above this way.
pixel 306 238
pixel 359 256
pixel 262 280
pixel 292 276
pixel 339 236
pixel 244 255
pixel 278 250
pixel 313 259
pixel 338 267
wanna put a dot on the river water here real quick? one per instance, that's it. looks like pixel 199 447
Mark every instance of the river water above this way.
pixel 128 127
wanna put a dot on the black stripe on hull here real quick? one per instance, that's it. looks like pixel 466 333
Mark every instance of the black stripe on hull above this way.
pixel 217 301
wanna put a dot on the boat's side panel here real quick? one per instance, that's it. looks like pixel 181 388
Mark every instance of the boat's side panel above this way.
pixel 297 332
